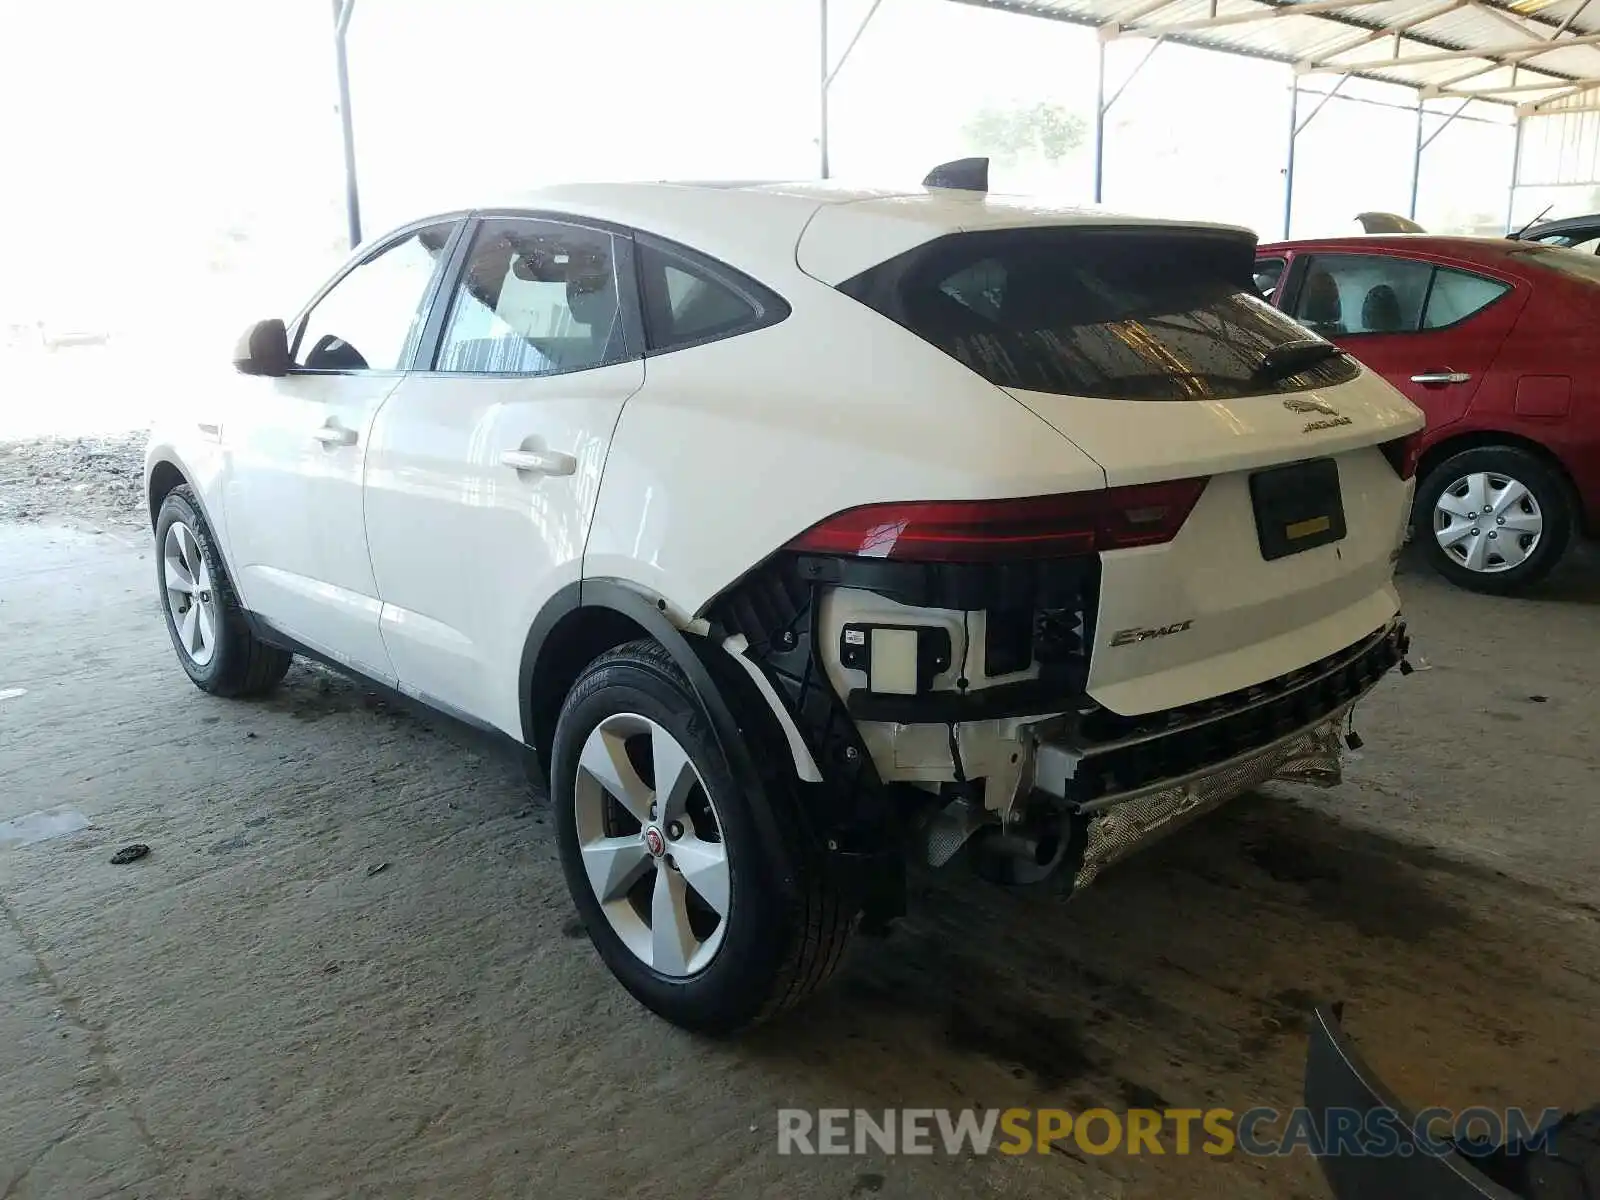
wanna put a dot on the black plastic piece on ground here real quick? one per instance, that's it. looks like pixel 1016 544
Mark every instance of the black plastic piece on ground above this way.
pixel 1338 1080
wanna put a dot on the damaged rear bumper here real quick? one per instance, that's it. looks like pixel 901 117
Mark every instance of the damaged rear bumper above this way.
pixel 1124 791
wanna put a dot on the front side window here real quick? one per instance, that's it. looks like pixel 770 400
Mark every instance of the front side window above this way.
pixel 370 320
pixel 1457 295
pixel 688 300
pixel 1362 293
pixel 1133 314
pixel 536 298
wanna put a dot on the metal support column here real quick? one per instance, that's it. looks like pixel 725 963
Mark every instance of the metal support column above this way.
pixel 1288 170
pixel 829 73
pixel 822 88
pixel 1416 160
pixel 1424 142
pixel 1103 104
pixel 352 200
pixel 1516 169
pixel 1099 120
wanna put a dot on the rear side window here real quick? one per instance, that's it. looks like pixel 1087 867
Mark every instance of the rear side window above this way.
pixel 1362 293
pixel 1346 294
pixel 1137 314
pixel 1457 295
pixel 689 299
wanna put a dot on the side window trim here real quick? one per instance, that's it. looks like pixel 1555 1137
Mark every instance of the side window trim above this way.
pixel 771 308
pixel 426 359
pixel 297 327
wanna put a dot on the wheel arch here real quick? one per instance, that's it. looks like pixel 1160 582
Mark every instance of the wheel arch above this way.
pixel 584 620
pixel 163 476
pixel 1483 439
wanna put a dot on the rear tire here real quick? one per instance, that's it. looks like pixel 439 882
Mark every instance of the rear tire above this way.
pixel 209 631
pixel 1493 519
pixel 785 921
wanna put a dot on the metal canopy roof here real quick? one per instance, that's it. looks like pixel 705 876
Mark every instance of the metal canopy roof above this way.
pixel 1541 55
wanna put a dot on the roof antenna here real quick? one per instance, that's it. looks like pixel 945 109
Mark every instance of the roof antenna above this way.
pixel 1517 236
pixel 963 175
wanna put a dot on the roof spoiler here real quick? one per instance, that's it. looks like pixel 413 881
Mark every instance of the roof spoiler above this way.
pixel 1383 222
pixel 962 175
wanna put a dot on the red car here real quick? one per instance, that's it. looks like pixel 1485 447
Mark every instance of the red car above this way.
pixel 1495 340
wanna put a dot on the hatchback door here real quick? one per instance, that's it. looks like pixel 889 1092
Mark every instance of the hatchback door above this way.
pixel 484 468
pixel 296 446
pixel 1432 331
pixel 1152 351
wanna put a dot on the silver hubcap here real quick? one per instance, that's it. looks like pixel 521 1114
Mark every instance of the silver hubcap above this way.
pixel 191 603
pixel 1488 522
pixel 652 845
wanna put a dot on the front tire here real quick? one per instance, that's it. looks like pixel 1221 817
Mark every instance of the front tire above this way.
pixel 207 625
pixel 710 916
pixel 1493 519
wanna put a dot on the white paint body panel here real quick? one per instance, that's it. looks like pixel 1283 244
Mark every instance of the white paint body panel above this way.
pixel 466 550
pixel 1252 620
pixel 297 542
pixel 735 447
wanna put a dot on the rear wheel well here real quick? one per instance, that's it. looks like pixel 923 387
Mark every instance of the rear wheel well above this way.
pixel 163 479
pixel 575 641
pixel 1482 438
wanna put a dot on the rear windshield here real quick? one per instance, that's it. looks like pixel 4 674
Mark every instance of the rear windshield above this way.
pixel 1137 314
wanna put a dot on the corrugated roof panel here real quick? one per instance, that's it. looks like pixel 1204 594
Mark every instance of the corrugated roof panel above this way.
pixel 1370 40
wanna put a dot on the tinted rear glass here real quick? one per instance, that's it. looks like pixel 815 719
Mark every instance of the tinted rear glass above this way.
pixel 1139 314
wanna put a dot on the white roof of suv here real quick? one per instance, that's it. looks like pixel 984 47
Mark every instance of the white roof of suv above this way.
pixel 831 231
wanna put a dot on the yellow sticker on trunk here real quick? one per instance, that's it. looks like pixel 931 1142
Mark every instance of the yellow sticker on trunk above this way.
pixel 1306 528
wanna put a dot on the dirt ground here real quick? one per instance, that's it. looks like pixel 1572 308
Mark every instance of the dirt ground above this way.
pixel 257 1010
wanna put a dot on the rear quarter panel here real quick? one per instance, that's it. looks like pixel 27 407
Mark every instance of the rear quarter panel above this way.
pixel 733 448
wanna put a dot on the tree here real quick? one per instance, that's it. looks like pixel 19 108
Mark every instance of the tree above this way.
pixel 1040 131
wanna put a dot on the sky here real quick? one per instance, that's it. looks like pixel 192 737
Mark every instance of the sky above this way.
pixel 180 159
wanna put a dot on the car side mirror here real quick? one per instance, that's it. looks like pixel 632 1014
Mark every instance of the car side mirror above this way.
pixel 263 350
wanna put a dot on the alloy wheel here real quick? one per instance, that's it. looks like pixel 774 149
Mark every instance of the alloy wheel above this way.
pixel 1488 522
pixel 191 602
pixel 652 845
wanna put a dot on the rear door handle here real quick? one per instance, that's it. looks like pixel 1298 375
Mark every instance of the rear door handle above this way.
pixel 333 435
pixel 539 462
pixel 1437 377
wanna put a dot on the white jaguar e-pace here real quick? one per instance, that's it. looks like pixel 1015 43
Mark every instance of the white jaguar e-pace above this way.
pixel 793 532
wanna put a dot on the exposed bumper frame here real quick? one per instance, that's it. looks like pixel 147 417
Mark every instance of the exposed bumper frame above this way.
pixel 1089 776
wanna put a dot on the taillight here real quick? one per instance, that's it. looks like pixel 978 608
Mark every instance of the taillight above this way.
pixel 1403 452
pixel 997 530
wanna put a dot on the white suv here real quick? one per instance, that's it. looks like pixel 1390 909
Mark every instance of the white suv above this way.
pixel 794 531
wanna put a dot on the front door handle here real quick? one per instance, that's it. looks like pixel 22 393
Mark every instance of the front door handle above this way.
pixel 333 435
pixel 539 462
pixel 1441 377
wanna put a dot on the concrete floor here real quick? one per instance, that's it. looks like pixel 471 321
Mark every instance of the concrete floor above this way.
pixel 250 1012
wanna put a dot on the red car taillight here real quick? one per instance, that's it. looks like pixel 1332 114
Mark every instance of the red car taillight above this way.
pixel 999 530
pixel 1403 453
